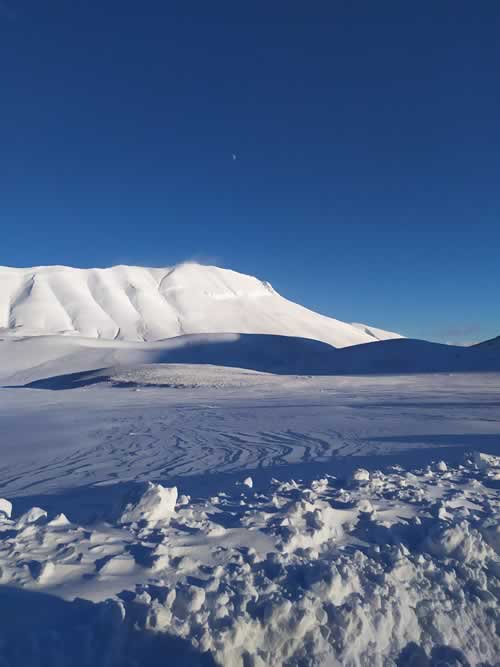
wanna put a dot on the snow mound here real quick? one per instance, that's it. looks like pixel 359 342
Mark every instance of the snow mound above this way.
pixel 145 304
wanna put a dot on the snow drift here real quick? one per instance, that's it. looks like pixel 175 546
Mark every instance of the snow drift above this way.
pixel 387 567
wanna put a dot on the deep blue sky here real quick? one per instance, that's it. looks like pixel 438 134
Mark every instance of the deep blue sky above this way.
pixel 367 135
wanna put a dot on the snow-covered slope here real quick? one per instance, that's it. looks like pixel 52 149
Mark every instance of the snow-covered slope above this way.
pixel 375 333
pixel 492 343
pixel 62 362
pixel 142 304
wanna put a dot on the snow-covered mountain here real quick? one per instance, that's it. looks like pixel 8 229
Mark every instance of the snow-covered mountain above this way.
pixel 146 304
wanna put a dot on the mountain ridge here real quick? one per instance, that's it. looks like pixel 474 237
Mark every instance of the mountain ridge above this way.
pixel 147 304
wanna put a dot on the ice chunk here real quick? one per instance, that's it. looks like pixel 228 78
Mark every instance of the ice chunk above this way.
pixel 248 482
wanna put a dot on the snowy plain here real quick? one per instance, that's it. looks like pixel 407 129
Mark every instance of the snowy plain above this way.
pixel 238 499
pixel 314 521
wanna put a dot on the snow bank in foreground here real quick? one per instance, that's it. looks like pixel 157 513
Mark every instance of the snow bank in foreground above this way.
pixel 399 567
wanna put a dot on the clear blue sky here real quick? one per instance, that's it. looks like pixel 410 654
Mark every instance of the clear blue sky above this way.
pixel 367 136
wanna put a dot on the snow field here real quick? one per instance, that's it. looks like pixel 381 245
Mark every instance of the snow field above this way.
pixel 192 514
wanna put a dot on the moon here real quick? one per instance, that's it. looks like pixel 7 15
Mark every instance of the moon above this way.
pixel 234 156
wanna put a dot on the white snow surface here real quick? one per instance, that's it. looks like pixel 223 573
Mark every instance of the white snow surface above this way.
pixel 156 504
pixel 60 362
pixel 391 570
pixel 146 304
pixel 155 512
pixel 376 333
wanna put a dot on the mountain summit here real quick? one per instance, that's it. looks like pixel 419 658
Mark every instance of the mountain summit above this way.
pixel 146 304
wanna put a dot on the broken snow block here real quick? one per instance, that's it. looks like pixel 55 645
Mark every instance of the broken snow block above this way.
pixel 155 504
pixel 34 515
pixel 360 475
pixel 5 508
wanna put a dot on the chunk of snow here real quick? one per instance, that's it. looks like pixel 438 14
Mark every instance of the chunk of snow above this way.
pixel 361 475
pixel 319 485
pixel 365 506
pixel 33 515
pixel 188 600
pixel 59 520
pixel 5 507
pixel 248 481
pixel 122 564
pixel 157 503
pixel 485 461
